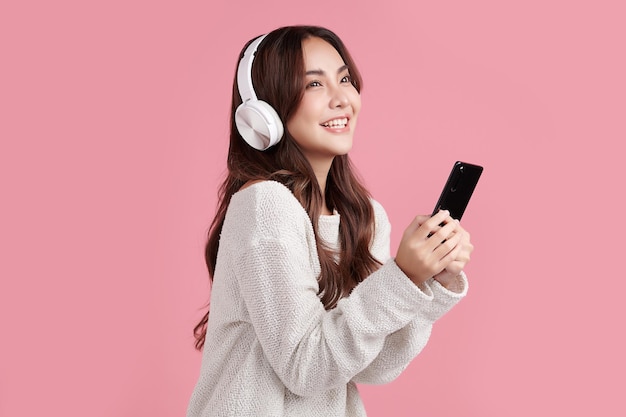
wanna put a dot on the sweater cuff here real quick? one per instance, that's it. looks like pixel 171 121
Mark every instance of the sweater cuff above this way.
pixel 444 299
pixel 422 291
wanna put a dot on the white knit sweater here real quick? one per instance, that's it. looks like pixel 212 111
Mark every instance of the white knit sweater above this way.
pixel 271 348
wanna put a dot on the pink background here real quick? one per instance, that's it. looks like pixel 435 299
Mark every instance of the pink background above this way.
pixel 113 122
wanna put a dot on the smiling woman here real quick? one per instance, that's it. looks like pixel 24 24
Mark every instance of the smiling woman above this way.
pixel 306 299
pixel 323 126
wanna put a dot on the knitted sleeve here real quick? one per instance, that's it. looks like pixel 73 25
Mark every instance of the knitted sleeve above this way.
pixel 402 346
pixel 310 349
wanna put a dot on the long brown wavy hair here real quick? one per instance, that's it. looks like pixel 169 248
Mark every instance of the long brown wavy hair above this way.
pixel 278 78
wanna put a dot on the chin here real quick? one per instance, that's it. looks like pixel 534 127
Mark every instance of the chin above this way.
pixel 344 149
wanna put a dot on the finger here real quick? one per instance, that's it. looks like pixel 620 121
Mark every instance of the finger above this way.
pixel 441 233
pixel 451 229
pixel 462 258
pixel 455 267
pixel 466 237
pixel 433 223
pixel 435 242
pixel 415 224
pixel 467 245
pixel 461 228
pixel 449 249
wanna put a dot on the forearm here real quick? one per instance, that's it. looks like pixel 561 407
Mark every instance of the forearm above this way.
pixel 312 349
pixel 399 350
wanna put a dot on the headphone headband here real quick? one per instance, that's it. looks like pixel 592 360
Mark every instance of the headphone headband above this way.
pixel 244 71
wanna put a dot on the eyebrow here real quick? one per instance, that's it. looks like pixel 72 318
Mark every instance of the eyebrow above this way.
pixel 320 72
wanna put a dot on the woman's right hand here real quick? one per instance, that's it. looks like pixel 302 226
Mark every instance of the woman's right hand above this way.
pixel 426 248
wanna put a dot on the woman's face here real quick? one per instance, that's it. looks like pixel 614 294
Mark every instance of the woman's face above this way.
pixel 324 122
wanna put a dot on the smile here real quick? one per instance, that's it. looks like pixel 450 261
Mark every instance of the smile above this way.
pixel 336 123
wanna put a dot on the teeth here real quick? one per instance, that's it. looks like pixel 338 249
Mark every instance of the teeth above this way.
pixel 336 123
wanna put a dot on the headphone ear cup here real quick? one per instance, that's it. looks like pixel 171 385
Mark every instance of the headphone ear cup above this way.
pixel 259 124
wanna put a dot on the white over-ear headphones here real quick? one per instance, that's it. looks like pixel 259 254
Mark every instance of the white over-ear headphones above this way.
pixel 257 122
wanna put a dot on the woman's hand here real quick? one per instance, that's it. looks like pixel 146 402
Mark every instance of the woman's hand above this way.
pixel 448 277
pixel 431 244
pixel 463 257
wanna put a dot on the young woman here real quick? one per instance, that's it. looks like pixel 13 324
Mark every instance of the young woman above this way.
pixel 306 300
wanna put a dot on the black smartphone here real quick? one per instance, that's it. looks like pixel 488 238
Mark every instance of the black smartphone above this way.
pixel 458 189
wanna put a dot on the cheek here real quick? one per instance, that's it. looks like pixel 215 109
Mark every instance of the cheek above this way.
pixel 297 125
pixel 356 108
pixel 356 102
pixel 301 115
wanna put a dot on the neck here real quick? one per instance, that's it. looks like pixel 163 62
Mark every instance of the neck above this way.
pixel 321 173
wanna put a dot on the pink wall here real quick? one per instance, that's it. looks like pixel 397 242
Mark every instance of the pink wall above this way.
pixel 113 123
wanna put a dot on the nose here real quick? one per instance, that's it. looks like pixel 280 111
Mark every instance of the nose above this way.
pixel 339 99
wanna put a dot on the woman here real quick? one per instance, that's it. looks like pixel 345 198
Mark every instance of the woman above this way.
pixel 306 299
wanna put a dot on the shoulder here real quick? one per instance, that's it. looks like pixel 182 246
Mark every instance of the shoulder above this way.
pixel 266 194
pixel 380 215
pixel 267 206
pixel 382 233
pixel 379 210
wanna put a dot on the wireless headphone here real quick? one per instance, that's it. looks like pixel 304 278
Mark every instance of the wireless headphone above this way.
pixel 257 122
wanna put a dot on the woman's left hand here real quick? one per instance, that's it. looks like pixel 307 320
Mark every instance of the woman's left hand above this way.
pixel 448 275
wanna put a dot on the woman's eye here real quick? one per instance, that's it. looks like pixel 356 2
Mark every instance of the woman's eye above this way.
pixel 314 84
pixel 346 79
